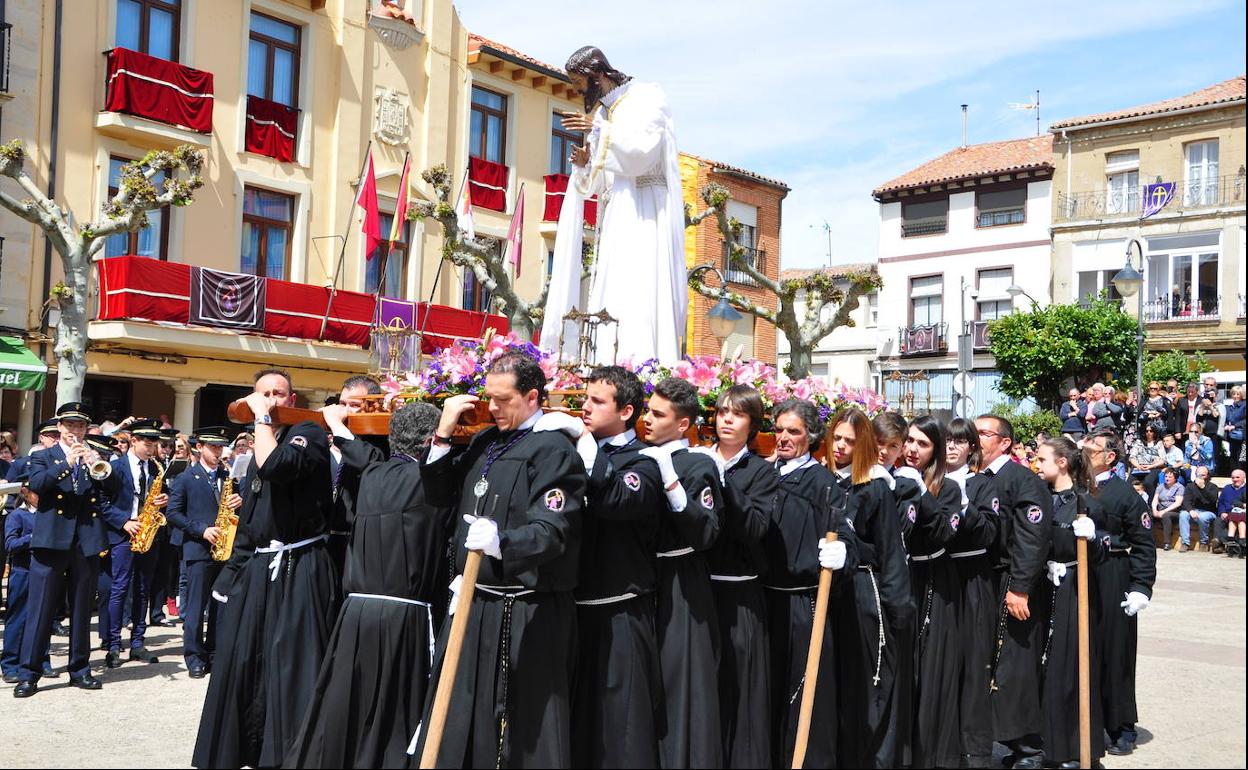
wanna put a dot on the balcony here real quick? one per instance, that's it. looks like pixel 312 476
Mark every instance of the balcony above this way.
pixel 1122 203
pixel 980 340
pixel 6 36
pixel 153 99
pixel 922 340
pixel 930 226
pixel 1170 311
pixel 556 188
pixel 755 258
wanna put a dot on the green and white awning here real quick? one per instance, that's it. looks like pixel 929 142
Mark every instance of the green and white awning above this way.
pixel 20 369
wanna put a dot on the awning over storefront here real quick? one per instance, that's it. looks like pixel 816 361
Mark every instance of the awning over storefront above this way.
pixel 20 369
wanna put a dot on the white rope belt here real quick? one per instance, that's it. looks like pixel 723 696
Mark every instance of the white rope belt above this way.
pixel 734 578
pixel 1120 550
pixel 402 600
pixel 339 532
pixel 929 556
pixel 964 554
pixel 1070 563
pixel 608 600
pixel 278 549
pixel 513 591
pixel 674 554
pixel 799 590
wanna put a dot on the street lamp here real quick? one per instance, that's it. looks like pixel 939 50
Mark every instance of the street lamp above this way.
pixel 723 317
pixel 1014 290
pixel 1129 281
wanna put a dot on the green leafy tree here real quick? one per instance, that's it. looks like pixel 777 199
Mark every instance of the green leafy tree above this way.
pixel 1176 365
pixel 1038 351
pixel 1028 424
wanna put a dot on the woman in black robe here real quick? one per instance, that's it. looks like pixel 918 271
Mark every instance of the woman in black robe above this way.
pixel 934 582
pixel 375 676
pixel 1064 467
pixel 874 615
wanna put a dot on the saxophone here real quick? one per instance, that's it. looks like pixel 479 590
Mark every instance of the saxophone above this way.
pixel 227 522
pixel 150 518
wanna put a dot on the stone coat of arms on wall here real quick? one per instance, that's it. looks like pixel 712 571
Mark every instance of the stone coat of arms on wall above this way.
pixel 391 125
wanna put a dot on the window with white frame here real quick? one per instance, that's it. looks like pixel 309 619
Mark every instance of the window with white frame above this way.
pixel 994 301
pixel 1090 283
pixel 925 300
pixel 871 305
pixel 1122 182
pixel 1200 173
pixel 1002 207
pixel 1182 277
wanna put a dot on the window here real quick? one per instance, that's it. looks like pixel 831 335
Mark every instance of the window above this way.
pixel 396 262
pixel 994 301
pixel 151 241
pixel 1122 182
pixel 149 26
pixel 268 224
pixel 488 138
pixel 926 218
pixel 561 144
pixel 476 296
pixel 1200 173
pixel 1002 207
pixel 550 262
pixel 925 300
pixel 1092 282
pixel 872 312
pixel 1182 277
pixel 273 60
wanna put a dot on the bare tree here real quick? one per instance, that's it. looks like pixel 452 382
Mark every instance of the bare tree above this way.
pixel 815 291
pixel 487 264
pixel 78 244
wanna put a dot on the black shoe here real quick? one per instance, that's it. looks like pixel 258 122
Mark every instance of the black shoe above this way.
pixel 1216 546
pixel 25 690
pixel 198 672
pixel 11 679
pixel 1120 748
pixel 1032 762
pixel 113 659
pixel 142 654
pixel 161 623
pixel 49 672
pixel 1166 547
pixel 59 629
pixel 86 682
pixel 1072 764
pixel 103 646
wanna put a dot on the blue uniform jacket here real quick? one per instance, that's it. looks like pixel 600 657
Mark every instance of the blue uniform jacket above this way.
pixel 120 503
pixel 68 509
pixel 193 505
pixel 19 526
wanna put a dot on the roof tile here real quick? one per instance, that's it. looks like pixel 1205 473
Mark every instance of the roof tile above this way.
pixel 835 271
pixel 1227 91
pixel 977 160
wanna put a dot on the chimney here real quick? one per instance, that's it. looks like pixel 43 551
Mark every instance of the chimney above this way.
pixel 964 126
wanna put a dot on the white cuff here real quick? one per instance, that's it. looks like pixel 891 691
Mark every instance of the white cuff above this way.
pixel 587 448
pixel 436 452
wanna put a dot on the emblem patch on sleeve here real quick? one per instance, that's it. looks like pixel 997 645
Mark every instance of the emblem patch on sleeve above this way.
pixel 632 481
pixel 299 441
pixel 996 505
pixel 1146 520
pixel 1035 515
pixel 911 514
pixel 954 520
pixel 554 500
pixel 708 499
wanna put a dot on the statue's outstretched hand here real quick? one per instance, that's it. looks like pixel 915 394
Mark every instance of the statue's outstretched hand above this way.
pixel 575 121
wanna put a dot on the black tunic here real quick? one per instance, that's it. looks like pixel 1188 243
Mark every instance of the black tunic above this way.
pixel 1131 565
pixel 872 619
pixel 1058 608
pixel 685 621
pixel 280 608
pixel 738 567
pixel 1019 557
pixel 936 588
pixel 513 687
pixel 908 494
pixel 617 706
pixel 807 506
pixel 978 608
pixel 374 680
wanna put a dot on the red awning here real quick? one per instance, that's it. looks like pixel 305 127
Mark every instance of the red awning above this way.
pixel 556 187
pixel 487 184
pixel 271 129
pixel 157 89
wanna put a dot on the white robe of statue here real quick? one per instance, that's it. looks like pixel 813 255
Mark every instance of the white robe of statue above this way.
pixel 639 261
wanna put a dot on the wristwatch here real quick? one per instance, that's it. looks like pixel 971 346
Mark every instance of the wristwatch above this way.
pixel 264 419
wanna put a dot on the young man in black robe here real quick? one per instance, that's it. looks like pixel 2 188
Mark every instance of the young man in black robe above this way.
pixel 1019 556
pixel 685 620
pixel 519 499
pixel 617 707
pixel 280 590
pixel 1126 587
pixel 346 479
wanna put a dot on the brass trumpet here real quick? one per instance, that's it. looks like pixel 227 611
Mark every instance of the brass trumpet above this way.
pixel 97 467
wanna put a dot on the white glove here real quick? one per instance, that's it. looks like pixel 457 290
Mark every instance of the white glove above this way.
pixel 1135 603
pixel 664 459
pixel 455 585
pixel 831 554
pixel 906 472
pixel 562 421
pixel 1057 571
pixel 482 536
pixel 1084 527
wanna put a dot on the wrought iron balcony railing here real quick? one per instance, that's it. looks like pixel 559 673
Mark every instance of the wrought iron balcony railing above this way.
pixel 756 258
pixel 1125 202
pixel 1164 310
pixel 922 339
pixel 6 35
pixel 931 226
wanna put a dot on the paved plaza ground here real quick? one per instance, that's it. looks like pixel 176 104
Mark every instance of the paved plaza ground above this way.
pixel 1191 689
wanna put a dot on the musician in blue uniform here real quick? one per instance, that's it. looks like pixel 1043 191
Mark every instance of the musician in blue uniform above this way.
pixel 135 472
pixel 19 526
pixel 194 501
pixel 68 536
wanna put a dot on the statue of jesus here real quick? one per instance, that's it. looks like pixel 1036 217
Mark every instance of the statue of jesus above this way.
pixel 629 160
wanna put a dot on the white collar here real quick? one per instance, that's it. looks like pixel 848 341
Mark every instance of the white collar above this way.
pixel 210 471
pixel 796 464
pixel 674 444
pixel 619 439
pixel 615 94
pixel 960 475
pixel 731 461
pixel 529 423
pixel 996 465
pixel 1104 476
pixel 844 473
pixel 64 447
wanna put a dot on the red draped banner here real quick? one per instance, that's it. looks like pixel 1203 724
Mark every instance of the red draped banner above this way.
pixel 161 90
pixel 556 187
pixel 271 129
pixel 487 184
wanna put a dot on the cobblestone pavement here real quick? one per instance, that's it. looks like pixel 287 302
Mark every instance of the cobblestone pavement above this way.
pixel 1191 689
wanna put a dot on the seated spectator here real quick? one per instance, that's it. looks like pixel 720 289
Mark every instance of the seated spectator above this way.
pixel 1231 514
pixel 1233 427
pixel 1198 451
pixel 1147 457
pixel 1168 503
pixel 1138 485
pixel 1200 500
pixel 1071 414
pixel 1173 457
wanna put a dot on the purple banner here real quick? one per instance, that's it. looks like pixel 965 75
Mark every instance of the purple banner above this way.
pixel 1156 196
pixel 391 309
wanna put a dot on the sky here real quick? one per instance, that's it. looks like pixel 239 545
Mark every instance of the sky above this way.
pixel 836 98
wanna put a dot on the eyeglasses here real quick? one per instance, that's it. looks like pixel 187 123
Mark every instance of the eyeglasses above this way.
pixel 989 434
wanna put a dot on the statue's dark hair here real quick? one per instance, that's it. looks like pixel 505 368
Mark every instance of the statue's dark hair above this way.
pixel 591 62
